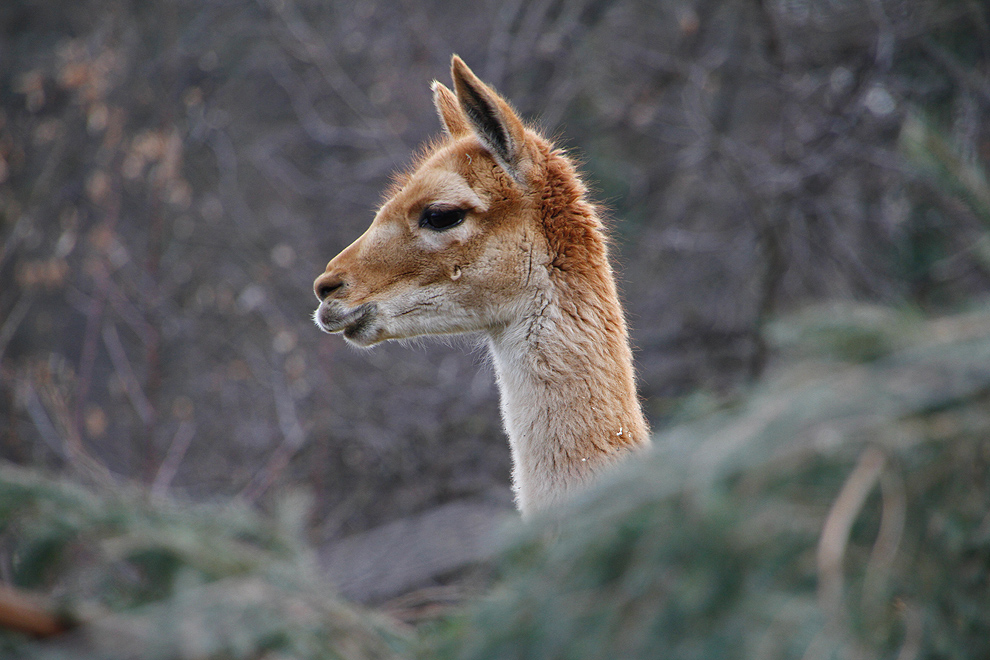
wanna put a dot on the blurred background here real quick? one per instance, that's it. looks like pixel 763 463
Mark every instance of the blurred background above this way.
pixel 174 175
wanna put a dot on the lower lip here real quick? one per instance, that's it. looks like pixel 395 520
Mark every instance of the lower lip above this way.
pixel 360 323
pixel 350 324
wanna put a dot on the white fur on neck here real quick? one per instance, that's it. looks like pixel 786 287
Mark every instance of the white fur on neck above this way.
pixel 550 407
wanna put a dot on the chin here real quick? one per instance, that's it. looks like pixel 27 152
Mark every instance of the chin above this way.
pixel 361 340
pixel 365 333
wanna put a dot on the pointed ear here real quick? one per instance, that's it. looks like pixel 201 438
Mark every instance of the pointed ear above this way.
pixel 451 116
pixel 492 119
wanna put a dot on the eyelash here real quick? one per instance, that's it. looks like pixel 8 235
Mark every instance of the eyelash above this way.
pixel 441 218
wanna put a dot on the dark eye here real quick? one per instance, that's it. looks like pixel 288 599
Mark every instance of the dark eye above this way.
pixel 439 218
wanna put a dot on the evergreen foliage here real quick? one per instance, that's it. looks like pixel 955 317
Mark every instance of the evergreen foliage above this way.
pixel 838 511
pixel 139 578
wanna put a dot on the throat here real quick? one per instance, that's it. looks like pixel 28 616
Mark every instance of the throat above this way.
pixel 568 402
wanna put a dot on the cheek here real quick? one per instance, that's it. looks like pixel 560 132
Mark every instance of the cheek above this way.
pixel 497 275
pixel 454 264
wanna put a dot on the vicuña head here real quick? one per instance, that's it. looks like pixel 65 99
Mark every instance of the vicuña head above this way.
pixel 492 232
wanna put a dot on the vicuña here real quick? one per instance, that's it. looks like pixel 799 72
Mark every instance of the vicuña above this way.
pixel 492 232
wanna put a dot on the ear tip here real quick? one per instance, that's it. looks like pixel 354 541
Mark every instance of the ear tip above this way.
pixel 458 68
pixel 440 91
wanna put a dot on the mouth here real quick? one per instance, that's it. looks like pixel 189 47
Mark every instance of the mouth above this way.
pixel 356 324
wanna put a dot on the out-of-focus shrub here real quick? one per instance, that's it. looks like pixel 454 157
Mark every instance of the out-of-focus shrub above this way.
pixel 839 510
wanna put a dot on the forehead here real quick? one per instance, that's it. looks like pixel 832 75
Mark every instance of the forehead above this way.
pixel 443 176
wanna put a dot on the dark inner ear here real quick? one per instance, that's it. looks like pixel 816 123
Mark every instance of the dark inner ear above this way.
pixel 486 119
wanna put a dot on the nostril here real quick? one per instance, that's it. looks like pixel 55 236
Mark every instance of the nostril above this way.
pixel 326 285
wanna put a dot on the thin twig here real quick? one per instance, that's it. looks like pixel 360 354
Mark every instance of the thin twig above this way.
pixel 500 40
pixel 892 518
pixel 87 361
pixel 293 438
pixel 121 363
pixel 913 632
pixel 9 244
pixel 838 524
pixel 126 311
pixel 13 322
pixel 39 416
pixel 311 46
pixel 962 74
pixel 170 465
pixel 94 317
pixel 310 121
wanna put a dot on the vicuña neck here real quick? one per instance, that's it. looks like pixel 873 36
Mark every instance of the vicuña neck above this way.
pixel 568 393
